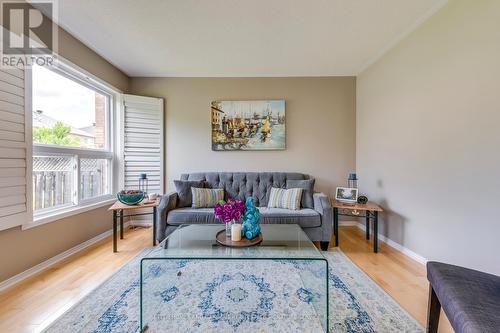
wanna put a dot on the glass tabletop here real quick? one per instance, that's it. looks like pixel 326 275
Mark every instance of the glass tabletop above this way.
pixel 286 241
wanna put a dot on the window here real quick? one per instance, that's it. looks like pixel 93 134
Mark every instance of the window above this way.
pixel 72 152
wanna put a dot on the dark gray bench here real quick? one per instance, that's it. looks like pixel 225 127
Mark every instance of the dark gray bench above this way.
pixel 470 299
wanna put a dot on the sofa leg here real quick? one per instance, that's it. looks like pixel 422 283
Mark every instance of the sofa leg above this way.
pixel 324 245
pixel 434 309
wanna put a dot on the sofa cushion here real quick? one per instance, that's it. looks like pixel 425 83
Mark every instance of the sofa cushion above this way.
pixel 470 299
pixel 183 188
pixel 189 215
pixel 240 185
pixel 306 218
pixel 307 186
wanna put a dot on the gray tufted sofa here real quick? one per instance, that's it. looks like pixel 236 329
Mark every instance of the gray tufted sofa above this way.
pixel 317 222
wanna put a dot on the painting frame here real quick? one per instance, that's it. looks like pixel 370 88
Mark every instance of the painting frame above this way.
pixel 248 125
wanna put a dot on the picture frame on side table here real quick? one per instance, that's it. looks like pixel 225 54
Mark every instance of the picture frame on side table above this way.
pixel 347 195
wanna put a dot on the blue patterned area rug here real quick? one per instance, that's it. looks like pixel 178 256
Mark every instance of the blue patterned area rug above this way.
pixel 210 296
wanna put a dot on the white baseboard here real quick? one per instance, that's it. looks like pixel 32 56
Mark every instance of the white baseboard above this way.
pixel 415 256
pixel 54 260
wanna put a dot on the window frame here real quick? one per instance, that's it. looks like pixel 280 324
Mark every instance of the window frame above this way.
pixel 79 205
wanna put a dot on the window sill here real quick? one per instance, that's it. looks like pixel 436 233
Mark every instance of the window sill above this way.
pixel 60 214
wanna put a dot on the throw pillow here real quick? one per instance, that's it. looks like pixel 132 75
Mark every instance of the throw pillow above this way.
pixel 206 197
pixel 183 188
pixel 281 198
pixel 307 186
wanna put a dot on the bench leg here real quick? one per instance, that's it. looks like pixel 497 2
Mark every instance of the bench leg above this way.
pixel 434 309
pixel 324 245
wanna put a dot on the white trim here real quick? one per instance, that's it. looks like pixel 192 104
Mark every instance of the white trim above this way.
pixel 65 63
pixel 77 74
pixel 119 142
pixel 162 147
pixel 405 33
pixel 55 215
pixel 54 260
pixel 14 220
pixel 150 106
pixel 398 247
pixel 40 149
pixel 28 129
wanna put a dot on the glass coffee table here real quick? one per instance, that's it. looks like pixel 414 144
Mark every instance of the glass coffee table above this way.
pixel 191 283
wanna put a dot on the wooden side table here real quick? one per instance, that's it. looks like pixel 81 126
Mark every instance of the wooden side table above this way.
pixel 118 209
pixel 369 211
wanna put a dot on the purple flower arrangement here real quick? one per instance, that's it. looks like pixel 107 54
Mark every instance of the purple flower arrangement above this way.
pixel 229 210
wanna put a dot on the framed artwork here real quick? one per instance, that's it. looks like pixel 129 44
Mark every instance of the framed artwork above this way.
pixel 248 125
pixel 346 194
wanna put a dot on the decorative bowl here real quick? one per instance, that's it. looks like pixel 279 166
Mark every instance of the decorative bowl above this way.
pixel 130 197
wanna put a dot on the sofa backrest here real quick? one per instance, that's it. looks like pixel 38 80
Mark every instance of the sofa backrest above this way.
pixel 241 185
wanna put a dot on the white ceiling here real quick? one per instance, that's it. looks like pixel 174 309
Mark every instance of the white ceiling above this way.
pixel 242 37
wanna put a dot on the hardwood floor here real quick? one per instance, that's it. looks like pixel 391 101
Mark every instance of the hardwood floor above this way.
pixel 34 303
pixel 404 279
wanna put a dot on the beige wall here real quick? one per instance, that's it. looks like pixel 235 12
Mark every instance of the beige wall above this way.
pixel 23 249
pixel 428 138
pixel 20 250
pixel 320 125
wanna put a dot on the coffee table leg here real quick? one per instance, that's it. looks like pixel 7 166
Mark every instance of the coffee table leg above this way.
pixel 154 226
pixel 336 225
pixel 375 232
pixel 367 228
pixel 114 231
pixel 121 224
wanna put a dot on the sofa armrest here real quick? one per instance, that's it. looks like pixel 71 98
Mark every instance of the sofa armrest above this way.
pixel 167 203
pixel 323 206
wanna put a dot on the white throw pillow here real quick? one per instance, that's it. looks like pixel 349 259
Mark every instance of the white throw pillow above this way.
pixel 285 198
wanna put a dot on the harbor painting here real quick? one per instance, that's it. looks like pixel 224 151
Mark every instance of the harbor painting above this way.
pixel 248 125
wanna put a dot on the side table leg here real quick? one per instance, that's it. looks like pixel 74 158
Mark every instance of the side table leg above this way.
pixel 375 232
pixel 336 225
pixel 154 226
pixel 367 227
pixel 121 224
pixel 115 227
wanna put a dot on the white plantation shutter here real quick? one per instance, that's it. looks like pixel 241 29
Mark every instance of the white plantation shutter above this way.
pixel 15 148
pixel 143 143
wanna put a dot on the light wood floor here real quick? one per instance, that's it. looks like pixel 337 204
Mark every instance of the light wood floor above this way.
pixel 33 304
pixel 404 279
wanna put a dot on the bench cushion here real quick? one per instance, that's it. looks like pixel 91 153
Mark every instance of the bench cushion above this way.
pixel 306 218
pixel 470 299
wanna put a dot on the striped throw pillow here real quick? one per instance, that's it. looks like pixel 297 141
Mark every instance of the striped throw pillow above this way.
pixel 206 197
pixel 281 198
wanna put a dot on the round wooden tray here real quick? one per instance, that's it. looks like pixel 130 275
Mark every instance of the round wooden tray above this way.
pixel 244 242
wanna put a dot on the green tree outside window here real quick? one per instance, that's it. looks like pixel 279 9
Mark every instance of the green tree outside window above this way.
pixel 57 135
